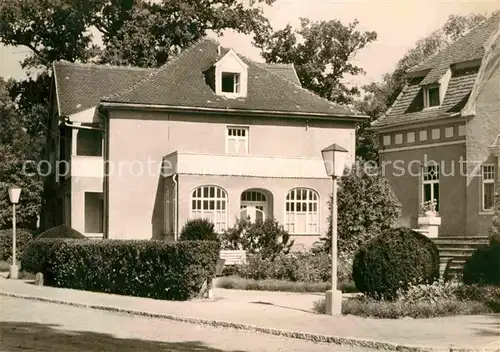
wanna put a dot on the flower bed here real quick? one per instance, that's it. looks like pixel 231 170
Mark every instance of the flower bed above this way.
pixel 425 301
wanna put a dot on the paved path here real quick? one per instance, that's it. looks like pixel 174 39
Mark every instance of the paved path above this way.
pixel 32 325
pixel 286 311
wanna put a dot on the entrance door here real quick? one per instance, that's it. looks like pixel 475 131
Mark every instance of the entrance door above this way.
pixel 253 205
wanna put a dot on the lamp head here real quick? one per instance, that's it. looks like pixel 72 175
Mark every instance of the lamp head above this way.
pixel 334 158
pixel 14 194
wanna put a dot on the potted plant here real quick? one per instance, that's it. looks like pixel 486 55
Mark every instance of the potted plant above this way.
pixel 429 208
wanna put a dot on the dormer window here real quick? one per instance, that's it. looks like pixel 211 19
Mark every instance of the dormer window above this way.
pixel 230 82
pixel 431 97
pixel 231 76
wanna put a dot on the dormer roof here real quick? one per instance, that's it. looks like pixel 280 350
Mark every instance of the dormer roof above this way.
pixel 182 83
pixel 465 58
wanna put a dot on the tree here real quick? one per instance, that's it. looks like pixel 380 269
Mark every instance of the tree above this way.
pixel 381 95
pixel 322 53
pixel 16 148
pixel 148 34
pixel 367 207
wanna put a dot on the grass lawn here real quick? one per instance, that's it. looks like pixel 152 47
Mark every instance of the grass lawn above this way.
pixel 238 283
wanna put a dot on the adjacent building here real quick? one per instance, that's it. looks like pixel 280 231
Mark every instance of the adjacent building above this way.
pixel 440 139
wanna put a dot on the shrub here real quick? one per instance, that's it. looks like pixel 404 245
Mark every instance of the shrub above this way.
pixel 483 266
pixel 392 261
pixel 495 228
pixel 267 237
pixel 23 238
pixel 198 230
pixel 489 295
pixel 367 207
pixel 369 307
pixel 61 231
pixel 155 269
pixel 439 290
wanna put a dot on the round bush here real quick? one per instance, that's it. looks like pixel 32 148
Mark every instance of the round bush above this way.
pixel 23 238
pixel 393 261
pixel 198 230
pixel 483 266
pixel 61 231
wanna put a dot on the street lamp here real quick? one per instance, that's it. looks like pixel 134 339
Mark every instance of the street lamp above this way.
pixel 334 158
pixel 14 194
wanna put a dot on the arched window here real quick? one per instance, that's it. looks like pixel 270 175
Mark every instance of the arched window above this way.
pixel 302 211
pixel 210 202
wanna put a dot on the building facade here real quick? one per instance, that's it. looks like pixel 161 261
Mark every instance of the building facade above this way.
pixel 210 134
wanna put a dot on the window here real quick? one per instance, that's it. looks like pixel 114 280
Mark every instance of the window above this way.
pixel 89 143
pixel 169 209
pixel 431 97
pixel 430 183
pixel 423 135
pixel 230 82
pixel 301 211
pixel 210 202
pixel 398 139
pixel 237 140
pixel 410 137
pixel 436 133
pixel 94 211
pixel 387 140
pixel 448 132
pixel 488 187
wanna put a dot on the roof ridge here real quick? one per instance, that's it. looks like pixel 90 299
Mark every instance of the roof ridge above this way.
pixel 157 70
pixel 105 66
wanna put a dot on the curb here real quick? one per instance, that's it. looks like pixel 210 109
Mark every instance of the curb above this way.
pixel 318 338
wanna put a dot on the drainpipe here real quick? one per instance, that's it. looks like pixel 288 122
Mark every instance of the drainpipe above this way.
pixel 176 205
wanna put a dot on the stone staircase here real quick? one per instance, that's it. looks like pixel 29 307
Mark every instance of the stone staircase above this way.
pixel 457 249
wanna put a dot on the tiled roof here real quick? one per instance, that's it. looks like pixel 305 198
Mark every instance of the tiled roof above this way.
pixel 467 48
pixel 81 86
pixel 182 82
pixel 284 70
pixel 408 107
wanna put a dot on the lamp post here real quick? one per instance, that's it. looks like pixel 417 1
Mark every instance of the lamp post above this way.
pixel 14 194
pixel 334 158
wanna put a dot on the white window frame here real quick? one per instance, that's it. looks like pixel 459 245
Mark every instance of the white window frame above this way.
pixel 429 180
pixel 312 216
pixel 427 97
pixel 201 209
pixel 237 138
pixel 236 82
pixel 490 180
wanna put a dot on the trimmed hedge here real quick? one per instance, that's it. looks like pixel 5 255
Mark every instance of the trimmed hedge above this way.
pixel 61 231
pixel 483 266
pixel 393 261
pixel 23 238
pixel 198 230
pixel 155 269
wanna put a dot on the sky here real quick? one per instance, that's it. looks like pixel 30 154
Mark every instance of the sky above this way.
pixel 399 25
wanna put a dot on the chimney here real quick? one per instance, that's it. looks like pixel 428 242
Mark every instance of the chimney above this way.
pixel 218 50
